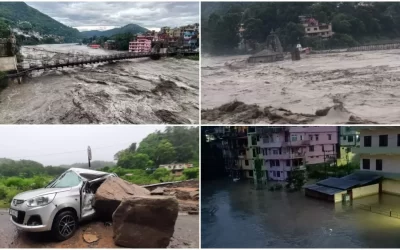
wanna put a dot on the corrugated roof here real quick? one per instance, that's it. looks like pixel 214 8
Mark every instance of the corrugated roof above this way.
pixel 363 178
pixel 338 183
pixel 323 189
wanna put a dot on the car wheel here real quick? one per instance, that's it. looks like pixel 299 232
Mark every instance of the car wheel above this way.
pixel 64 225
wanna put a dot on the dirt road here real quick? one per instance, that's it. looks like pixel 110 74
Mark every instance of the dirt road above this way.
pixel 186 235
pixel 349 87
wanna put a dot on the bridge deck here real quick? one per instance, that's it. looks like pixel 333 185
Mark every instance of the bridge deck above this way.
pixel 97 59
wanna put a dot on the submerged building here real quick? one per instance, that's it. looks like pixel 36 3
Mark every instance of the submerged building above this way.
pixel 272 53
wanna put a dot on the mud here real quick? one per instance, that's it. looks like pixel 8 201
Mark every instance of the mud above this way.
pixel 347 87
pixel 186 235
pixel 136 91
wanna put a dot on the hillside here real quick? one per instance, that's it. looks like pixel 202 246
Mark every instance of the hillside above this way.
pixel 93 165
pixel 130 28
pixel 13 13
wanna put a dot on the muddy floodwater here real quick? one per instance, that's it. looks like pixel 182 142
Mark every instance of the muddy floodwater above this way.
pixel 347 87
pixel 235 215
pixel 186 235
pixel 130 91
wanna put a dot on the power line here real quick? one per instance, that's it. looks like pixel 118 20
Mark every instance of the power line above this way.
pixel 69 152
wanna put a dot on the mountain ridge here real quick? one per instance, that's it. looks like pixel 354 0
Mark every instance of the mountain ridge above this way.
pixel 129 28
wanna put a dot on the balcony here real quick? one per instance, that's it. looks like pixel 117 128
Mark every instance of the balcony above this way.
pixel 391 150
pixel 297 143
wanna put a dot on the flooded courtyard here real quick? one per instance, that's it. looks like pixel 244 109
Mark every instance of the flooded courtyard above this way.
pixel 234 215
pixel 346 87
pixel 136 91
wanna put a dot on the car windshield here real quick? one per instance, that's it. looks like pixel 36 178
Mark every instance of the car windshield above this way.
pixel 67 179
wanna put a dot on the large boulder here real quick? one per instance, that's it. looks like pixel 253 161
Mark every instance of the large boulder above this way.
pixel 110 194
pixel 145 222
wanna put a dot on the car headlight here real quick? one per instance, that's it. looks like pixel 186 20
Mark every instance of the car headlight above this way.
pixel 41 200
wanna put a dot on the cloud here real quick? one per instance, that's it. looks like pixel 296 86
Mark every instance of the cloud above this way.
pixel 84 15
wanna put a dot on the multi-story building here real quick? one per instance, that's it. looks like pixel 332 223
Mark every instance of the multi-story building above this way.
pixel 313 28
pixel 287 148
pixel 380 154
pixel 110 45
pixel 142 44
pixel 379 149
pixel 349 138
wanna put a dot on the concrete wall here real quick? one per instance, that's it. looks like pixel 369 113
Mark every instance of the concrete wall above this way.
pixel 365 191
pixel 391 187
pixel 8 63
pixel 338 196
pixel 390 163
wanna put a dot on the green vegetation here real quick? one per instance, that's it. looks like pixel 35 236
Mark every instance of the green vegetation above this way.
pixel 143 177
pixel 194 58
pixel 26 18
pixel 138 165
pixel 295 180
pixel 354 23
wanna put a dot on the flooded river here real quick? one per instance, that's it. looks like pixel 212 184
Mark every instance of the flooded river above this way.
pixel 353 86
pixel 131 91
pixel 235 215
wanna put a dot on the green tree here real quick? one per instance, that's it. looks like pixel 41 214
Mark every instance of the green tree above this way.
pixel 134 161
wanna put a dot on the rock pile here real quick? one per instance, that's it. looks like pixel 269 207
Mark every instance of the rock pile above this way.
pixel 140 220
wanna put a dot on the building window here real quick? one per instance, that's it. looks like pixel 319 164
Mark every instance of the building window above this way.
pixel 365 164
pixel 274 173
pixel 383 140
pixel 246 162
pixel 322 147
pixel 379 165
pixel 308 29
pixel 350 138
pixel 278 174
pixel 344 137
pixel 254 152
pixel 275 151
pixel 287 163
pixel 315 28
pixel 310 137
pixel 316 137
pixel 277 163
pixel 311 148
pixel 398 140
pixel 294 137
pixel 367 141
pixel 251 173
pixel 329 137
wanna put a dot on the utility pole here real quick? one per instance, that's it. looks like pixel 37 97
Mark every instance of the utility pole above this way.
pixel 89 155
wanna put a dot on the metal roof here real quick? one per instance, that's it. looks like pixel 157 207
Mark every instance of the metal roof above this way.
pixel 338 183
pixel 363 178
pixel 323 189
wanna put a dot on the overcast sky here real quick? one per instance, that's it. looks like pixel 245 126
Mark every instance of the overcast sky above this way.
pixel 58 144
pixel 107 15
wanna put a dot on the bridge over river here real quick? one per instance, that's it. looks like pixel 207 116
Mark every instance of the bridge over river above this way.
pixel 46 64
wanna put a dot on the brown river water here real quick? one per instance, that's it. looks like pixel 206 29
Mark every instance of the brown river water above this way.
pixel 347 87
pixel 133 91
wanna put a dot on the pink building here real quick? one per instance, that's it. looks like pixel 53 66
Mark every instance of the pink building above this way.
pixel 286 148
pixel 141 45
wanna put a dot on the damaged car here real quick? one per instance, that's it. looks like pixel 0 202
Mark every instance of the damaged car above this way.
pixel 61 205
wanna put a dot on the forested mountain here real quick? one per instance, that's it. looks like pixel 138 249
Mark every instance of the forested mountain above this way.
pixel 130 28
pixel 354 23
pixel 27 19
